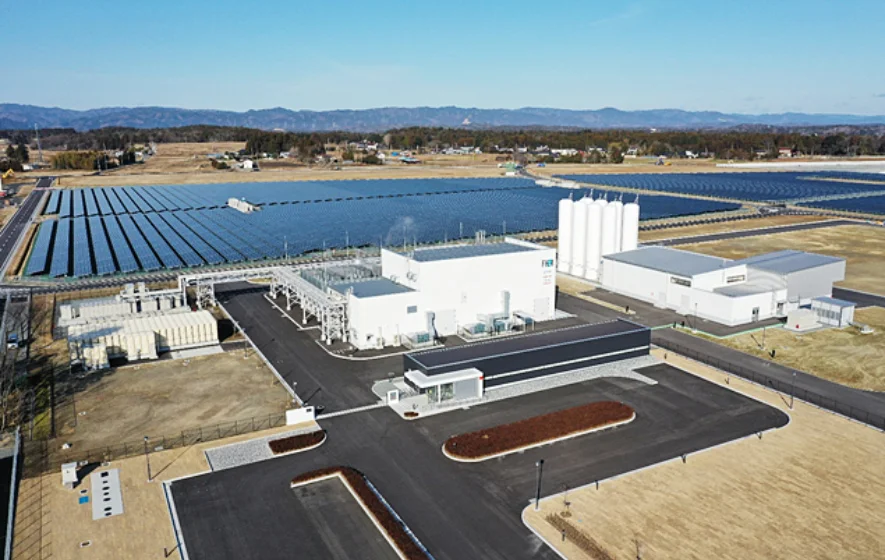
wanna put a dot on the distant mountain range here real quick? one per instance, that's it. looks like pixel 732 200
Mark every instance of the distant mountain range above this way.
pixel 13 116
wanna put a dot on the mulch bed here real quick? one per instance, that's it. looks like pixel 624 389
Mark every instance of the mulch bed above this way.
pixel 294 443
pixel 394 529
pixel 536 430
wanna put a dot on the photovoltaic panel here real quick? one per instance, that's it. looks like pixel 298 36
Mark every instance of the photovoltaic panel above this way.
pixel 125 257
pixel 246 235
pixel 126 199
pixel 179 245
pixel 116 203
pixel 79 209
pixel 272 244
pixel 66 209
pixel 163 194
pixel 203 249
pixel 148 195
pixel 61 249
pixel 189 196
pixel 164 251
pixel 39 260
pixel 103 205
pixel 139 244
pixel 227 251
pixel 82 249
pixel 104 259
pixel 54 202
pixel 91 204
pixel 137 199
pixel 203 218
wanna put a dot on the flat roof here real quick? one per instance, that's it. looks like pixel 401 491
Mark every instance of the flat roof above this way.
pixel 522 343
pixel 834 301
pixel 746 289
pixel 671 261
pixel 371 288
pixel 788 261
pixel 423 381
pixel 466 251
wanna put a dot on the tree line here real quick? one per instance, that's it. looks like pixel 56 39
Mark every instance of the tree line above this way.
pixel 725 144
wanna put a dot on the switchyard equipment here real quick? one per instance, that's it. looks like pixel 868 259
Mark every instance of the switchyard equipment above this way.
pixel 456 372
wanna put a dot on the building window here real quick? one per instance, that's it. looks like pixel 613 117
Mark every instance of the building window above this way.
pixel 412 309
pixel 680 281
pixel 737 278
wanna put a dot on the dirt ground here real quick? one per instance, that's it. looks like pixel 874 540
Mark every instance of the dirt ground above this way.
pixel 862 246
pixel 50 524
pixel 718 227
pixel 811 490
pixel 841 355
pixel 165 397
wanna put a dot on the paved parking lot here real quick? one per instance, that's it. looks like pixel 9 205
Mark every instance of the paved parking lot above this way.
pixel 462 510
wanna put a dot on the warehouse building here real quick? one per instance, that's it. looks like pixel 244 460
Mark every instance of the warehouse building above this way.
pixel 464 372
pixel 730 292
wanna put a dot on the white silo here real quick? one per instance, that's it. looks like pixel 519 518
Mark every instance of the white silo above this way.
pixel 564 234
pixel 594 240
pixel 609 229
pixel 630 226
pixel 579 238
pixel 619 220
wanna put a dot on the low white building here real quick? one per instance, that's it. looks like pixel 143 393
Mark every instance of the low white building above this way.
pixel 721 290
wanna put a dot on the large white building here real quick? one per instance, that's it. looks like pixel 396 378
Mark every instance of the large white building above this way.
pixel 731 292
pixel 431 292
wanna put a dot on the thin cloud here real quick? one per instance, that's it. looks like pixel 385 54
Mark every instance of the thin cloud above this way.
pixel 882 95
pixel 632 11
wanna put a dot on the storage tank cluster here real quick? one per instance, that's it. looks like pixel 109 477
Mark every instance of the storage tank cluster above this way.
pixel 592 228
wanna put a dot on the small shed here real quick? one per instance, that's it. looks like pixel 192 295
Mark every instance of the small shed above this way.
pixel 833 312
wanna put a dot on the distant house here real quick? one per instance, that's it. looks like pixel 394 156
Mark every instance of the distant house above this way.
pixel 785 152
pixel 690 154
pixel 248 164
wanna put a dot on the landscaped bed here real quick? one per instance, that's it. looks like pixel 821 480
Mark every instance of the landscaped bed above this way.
pixel 396 532
pixel 531 432
pixel 298 442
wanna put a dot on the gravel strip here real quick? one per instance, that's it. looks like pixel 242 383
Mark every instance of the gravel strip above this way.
pixel 245 452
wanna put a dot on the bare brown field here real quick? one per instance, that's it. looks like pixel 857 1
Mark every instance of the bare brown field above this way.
pixel 50 524
pixel 811 490
pixel 841 355
pixel 737 225
pixel 862 246
pixel 630 166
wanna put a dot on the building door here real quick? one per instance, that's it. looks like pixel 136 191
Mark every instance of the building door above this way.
pixel 755 314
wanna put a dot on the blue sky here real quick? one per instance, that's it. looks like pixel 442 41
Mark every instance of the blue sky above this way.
pixel 727 55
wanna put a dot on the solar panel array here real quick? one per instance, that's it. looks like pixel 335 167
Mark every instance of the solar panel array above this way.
pixel 866 204
pixel 38 262
pixel 127 229
pixel 765 186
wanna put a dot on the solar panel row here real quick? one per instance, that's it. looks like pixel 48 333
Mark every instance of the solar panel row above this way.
pixel 66 210
pixel 139 244
pixel 104 259
pixel 79 210
pixel 103 205
pixel 82 249
pixel 54 203
pixel 178 245
pixel 39 260
pixel 165 253
pixel 125 259
pixel 61 249
pixel 91 204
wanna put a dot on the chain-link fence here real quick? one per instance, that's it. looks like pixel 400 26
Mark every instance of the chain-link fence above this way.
pixel 829 403
pixel 44 456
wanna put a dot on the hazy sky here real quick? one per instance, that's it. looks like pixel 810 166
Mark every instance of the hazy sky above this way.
pixel 727 55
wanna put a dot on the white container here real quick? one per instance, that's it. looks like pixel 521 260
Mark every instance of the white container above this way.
pixel 619 220
pixel 609 226
pixel 579 238
pixel 564 234
pixel 593 243
pixel 630 227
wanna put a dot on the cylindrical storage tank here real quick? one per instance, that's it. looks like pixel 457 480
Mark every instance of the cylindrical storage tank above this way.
pixel 579 238
pixel 630 227
pixel 593 243
pixel 609 225
pixel 564 234
pixel 619 220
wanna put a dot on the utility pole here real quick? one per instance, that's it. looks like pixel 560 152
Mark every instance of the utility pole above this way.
pixel 540 466
pixel 147 458
pixel 792 389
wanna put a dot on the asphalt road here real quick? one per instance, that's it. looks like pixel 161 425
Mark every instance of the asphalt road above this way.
pixel 866 406
pixel 335 383
pixel 461 510
pixel 751 232
pixel 14 228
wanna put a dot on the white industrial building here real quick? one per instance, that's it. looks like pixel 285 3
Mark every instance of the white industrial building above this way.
pixel 591 228
pixel 424 293
pixel 731 292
